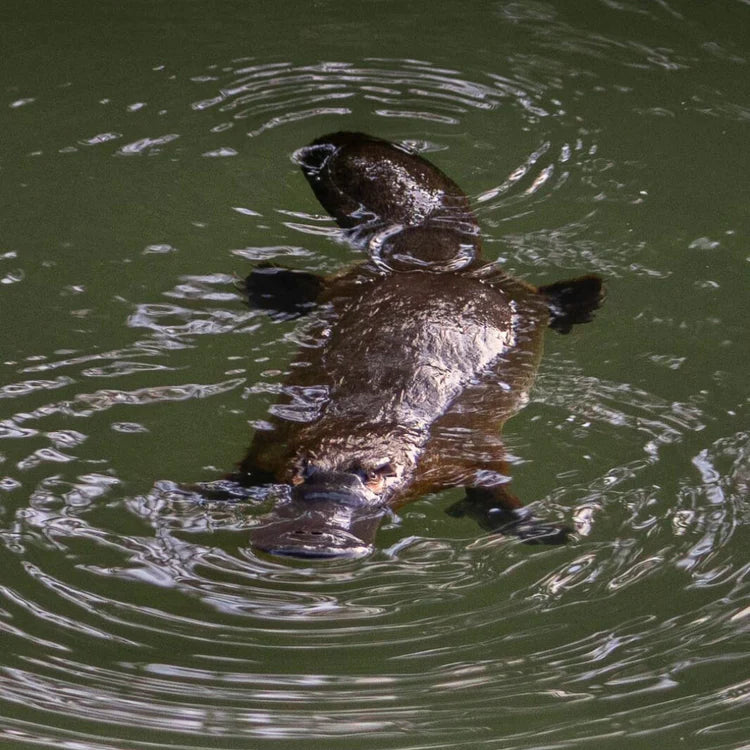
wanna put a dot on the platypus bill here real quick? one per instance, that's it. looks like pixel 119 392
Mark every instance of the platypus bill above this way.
pixel 412 361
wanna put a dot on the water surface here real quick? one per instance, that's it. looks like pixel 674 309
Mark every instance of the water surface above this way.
pixel 145 163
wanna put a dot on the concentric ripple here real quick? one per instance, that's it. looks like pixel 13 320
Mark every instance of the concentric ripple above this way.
pixel 425 96
pixel 270 95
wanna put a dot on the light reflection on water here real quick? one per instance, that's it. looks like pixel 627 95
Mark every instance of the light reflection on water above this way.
pixel 133 617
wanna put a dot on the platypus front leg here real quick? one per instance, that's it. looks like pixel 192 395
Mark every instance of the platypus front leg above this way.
pixel 284 292
pixel 498 510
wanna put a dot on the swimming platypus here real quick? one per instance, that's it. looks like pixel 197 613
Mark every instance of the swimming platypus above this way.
pixel 410 363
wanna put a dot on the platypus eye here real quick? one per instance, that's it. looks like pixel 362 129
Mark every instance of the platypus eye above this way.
pixel 374 482
pixel 302 470
pixel 374 479
pixel 361 472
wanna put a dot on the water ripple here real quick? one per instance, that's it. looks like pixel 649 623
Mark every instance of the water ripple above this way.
pixel 273 95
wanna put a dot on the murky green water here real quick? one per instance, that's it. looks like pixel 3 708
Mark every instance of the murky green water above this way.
pixel 145 159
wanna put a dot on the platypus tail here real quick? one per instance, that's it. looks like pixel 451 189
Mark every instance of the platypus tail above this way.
pixel 573 301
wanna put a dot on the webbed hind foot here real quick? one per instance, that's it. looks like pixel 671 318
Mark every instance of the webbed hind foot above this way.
pixel 573 301
pixel 285 293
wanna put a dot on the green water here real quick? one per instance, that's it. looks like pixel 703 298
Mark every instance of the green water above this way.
pixel 145 160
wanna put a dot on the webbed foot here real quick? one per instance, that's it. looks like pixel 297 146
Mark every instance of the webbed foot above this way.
pixel 285 293
pixel 531 530
pixel 496 510
pixel 573 301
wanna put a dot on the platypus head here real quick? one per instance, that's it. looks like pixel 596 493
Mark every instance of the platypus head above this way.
pixel 330 514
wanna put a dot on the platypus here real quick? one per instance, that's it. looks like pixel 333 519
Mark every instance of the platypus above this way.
pixel 410 364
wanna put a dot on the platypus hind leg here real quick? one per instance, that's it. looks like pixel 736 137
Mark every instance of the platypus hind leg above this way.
pixel 284 292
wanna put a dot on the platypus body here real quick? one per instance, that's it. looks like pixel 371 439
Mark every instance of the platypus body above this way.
pixel 411 362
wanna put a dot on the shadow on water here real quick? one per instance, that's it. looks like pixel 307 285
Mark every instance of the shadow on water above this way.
pixel 133 615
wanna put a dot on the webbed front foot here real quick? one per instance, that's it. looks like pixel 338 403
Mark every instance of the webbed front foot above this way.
pixel 531 530
pixel 496 510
